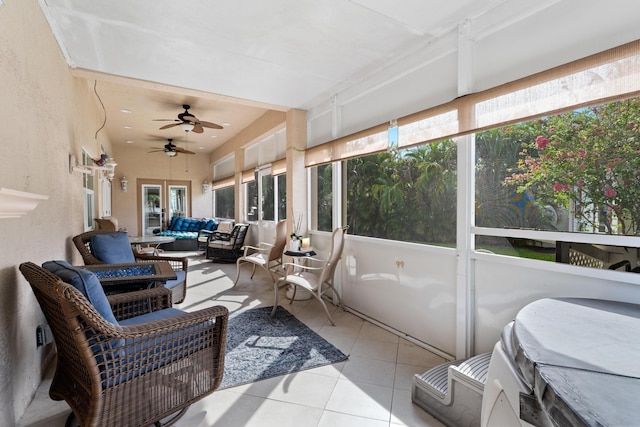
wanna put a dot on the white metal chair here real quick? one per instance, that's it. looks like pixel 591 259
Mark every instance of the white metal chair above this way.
pixel 266 255
pixel 316 279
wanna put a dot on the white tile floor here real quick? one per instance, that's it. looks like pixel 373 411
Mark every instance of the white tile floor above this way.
pixel 372 388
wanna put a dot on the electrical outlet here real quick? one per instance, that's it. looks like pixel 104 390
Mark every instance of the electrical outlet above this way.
pixel 43 335
pixel 40 338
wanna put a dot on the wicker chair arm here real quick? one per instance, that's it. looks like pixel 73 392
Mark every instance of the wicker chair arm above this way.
pixel 131 304
pixel 184 321
pixel 105 331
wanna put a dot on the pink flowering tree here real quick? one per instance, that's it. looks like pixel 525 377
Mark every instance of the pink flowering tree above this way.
pixel 588 159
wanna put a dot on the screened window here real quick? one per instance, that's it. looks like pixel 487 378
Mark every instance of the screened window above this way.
pixel 281 184
pixel 268 197
pixel 322 178
pixel 407 195
pixel 575 172
pixel 224 202
pixel 252 200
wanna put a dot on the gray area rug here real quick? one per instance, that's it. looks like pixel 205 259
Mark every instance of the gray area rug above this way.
pixel 260 346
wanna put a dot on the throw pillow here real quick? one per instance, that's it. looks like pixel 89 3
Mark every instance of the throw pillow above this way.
pixel 86 282
pixel 112 248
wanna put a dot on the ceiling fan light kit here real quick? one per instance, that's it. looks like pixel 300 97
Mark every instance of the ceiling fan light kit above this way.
pixel 187 126
pixel 171 149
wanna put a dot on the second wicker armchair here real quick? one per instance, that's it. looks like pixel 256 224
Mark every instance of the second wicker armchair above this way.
pixel 119 250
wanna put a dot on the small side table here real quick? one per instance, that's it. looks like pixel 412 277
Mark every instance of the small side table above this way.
pixel 303 252
pixel 151 243
pixel 298 258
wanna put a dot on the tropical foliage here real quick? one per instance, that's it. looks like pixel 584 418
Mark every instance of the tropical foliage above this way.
pixel 407 195
pixel 587 161
pixel 577 171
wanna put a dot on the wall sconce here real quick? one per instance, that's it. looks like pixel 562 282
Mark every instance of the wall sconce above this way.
pixel 110 164
pixel 123 183
pixel 205 187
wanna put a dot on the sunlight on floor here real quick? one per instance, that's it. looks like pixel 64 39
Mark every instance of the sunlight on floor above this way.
pixel 372 388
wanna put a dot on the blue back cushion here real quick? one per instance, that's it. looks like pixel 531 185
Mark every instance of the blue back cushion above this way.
pixel 86 282
pixel 172 224
pixel 112 248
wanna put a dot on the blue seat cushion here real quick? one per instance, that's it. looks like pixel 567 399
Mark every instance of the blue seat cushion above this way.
pixel 112 248
pixel 86 282
pixel 138 357
pixel 152 316
pixel 180 278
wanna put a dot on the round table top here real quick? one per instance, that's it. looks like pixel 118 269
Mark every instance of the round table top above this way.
pixel 301 252
pixel 150 240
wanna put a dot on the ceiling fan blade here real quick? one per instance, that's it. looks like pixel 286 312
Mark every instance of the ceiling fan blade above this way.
pixel 182 150
pixel 210 125
pixel 197 128
pixel 165 120
pixel 170 126
pixel 156 150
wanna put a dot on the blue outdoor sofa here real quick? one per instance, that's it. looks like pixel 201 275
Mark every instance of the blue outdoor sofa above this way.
pixel 185 231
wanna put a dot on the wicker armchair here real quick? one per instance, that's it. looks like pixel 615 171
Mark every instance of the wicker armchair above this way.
pixel 151 364
pixel 179 264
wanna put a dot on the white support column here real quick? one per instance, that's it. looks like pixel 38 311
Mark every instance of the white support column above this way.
pixel 465 300
pixel 296 174
pixel 337 178
pixel 239 201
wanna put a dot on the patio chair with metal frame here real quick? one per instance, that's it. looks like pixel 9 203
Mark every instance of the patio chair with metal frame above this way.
pixel 266 255
pixel 316 279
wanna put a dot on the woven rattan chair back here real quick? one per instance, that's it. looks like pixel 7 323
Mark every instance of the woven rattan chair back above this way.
pixel 108 384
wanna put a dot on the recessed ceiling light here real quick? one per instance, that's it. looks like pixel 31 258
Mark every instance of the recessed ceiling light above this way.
pixel 201 148
pixel 214 136
pixel 226 124
pixel 124 110
pixel 127 127
pixel 129 141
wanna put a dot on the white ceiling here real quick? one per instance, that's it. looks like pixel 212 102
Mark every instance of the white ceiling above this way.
pixel 234 60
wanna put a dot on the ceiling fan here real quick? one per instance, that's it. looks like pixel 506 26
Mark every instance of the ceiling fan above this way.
pixel 189 122
pixel 171 149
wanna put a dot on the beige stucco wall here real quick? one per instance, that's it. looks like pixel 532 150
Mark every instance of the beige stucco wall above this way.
pixel 45 115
